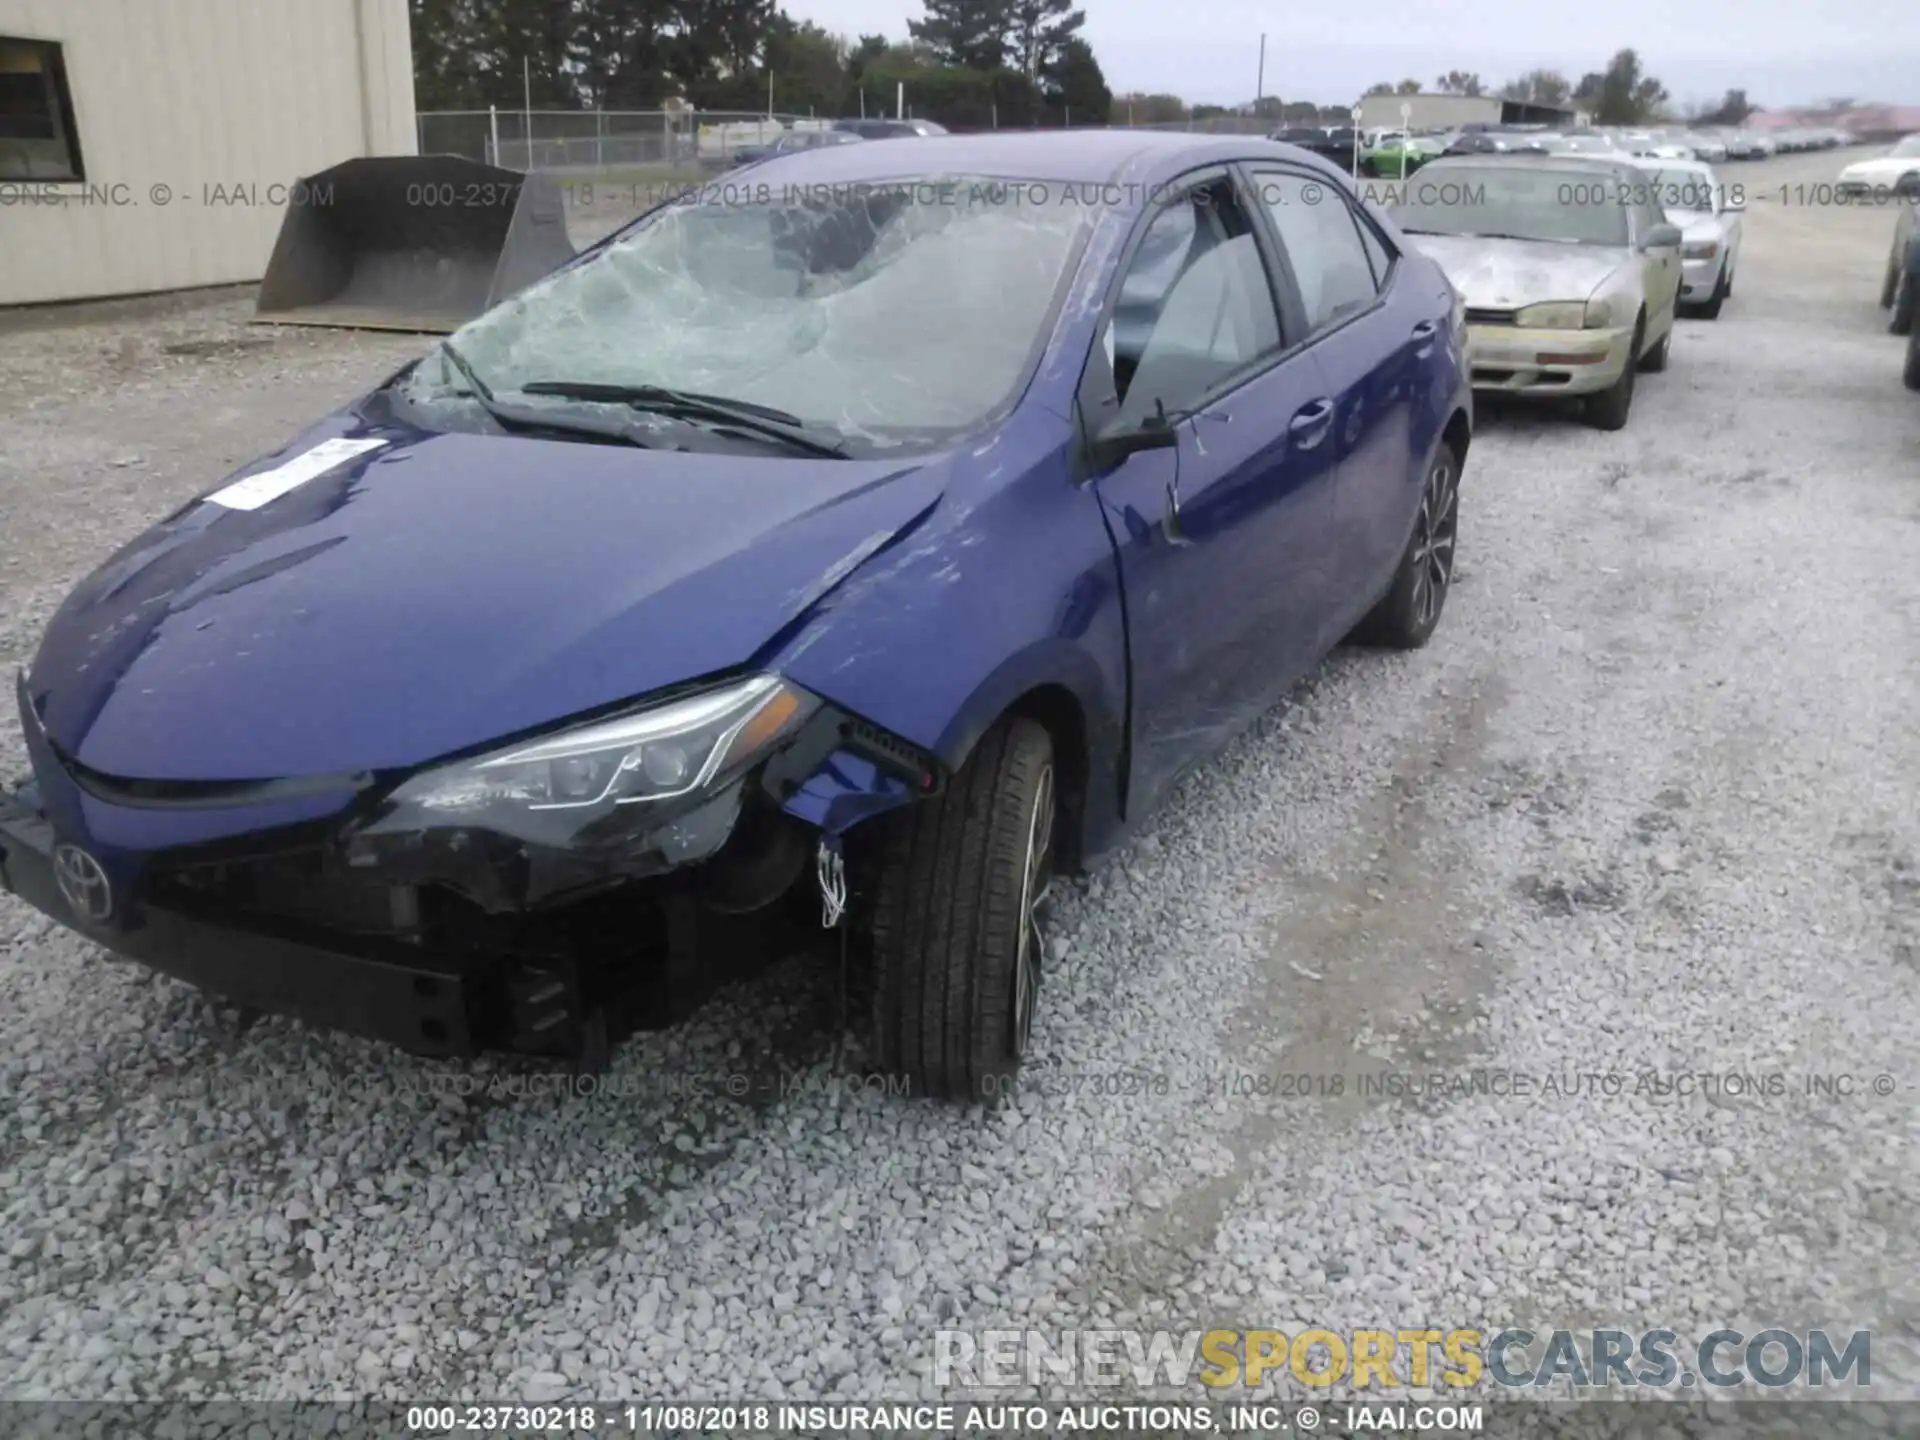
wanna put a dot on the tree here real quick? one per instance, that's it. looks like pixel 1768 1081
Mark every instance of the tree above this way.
pixel 1538 87
pixel 868 49
pixel 1460 82
pixel 1733 109
pixel 967 34
pixel 1384 87
pixel 809 66
pixel 1039 32
pixel 1073 83
pixel 469 54
pixel 1407 87
pixel 1621 94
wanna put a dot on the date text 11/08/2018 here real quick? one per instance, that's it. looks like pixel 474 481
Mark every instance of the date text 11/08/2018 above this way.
pixel 919 1418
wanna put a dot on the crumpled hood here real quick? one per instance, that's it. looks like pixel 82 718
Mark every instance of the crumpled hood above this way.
pixel 1506 274
pixel 442 591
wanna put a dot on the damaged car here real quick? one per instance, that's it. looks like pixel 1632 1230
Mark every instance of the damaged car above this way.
pixel 1570 269
pixel 853 550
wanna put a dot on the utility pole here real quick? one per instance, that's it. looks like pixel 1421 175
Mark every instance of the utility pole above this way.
pixel 1260 85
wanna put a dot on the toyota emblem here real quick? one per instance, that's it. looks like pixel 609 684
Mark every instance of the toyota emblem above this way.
pixel 83 882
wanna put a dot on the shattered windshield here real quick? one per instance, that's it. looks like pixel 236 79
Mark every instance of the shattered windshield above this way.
pixel 887 314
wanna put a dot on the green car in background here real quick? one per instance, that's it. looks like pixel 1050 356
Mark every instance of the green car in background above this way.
pixel 1396 156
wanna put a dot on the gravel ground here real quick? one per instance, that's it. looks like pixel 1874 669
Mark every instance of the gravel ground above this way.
pixel 1645 806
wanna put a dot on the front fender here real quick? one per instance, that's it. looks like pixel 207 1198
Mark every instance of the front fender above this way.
pixel 1010 585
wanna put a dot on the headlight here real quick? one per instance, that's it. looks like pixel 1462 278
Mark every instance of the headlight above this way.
pixel 1599 315
pixel 1554 315
pixel 651 755
pixel 1700 249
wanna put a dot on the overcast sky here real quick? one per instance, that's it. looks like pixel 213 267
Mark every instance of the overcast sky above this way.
pixel 1783 51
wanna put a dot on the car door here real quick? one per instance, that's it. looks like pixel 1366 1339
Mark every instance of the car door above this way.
pixel 1371 341
pixel 1221 539
pixel 1659 267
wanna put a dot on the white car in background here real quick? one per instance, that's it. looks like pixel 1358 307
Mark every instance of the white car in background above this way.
pixel 1657 145
pixel 1749 145
pixel 1709 216
pixel 1895 173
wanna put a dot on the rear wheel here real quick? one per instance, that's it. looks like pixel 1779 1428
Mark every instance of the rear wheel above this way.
pixel 1406 617
pixel 954 940
pixel 1912 372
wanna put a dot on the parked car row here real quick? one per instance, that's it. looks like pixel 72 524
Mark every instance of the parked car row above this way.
pixel 840 132
pixel 1573 266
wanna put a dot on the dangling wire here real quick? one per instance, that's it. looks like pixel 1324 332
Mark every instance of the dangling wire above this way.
pixel 833 885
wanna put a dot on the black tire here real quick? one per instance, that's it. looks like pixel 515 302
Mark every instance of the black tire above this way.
pixel 1609 409
pixel 1655 360
pixel 1406 616
pixel 1911 374
pixel 953 948
pixel 1906 298
pixel 1892 282
pixel 1711 307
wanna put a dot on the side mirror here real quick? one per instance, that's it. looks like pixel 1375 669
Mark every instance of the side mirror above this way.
pixel 1661 237
pixel 1117 440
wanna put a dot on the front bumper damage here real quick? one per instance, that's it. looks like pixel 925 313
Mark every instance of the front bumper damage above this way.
pixel 454 942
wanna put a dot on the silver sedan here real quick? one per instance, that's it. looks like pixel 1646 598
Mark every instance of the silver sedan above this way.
pixel 1709 216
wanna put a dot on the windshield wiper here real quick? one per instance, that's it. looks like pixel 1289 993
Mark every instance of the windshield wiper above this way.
pixel 520 416
pixel 690 405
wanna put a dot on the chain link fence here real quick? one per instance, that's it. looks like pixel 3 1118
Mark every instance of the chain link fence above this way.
pixel 586 142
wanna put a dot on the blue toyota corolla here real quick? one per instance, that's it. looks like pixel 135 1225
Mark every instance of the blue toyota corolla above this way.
pixel 869 541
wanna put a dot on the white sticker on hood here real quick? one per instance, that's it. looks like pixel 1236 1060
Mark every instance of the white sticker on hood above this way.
pixel 269 485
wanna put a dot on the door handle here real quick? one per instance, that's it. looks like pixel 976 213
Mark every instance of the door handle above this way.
pixel 1424 330
pixel 1311 423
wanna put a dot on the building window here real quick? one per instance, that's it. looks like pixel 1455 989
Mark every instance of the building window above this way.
pixel 37 138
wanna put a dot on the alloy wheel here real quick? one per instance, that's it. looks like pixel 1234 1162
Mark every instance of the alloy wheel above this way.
pixel 1035 880
pixel 1433 542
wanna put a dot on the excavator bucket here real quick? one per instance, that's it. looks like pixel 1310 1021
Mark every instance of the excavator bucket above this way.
pixel 410 242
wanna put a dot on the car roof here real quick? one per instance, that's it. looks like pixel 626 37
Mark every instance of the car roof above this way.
pixel 1066 157
pixel 1530 160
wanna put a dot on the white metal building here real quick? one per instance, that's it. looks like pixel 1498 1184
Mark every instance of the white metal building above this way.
pixel 148 144
pixel 1450 112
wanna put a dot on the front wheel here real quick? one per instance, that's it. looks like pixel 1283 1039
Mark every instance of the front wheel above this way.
pixel 953 937
pixel 1609 409
pixel 1405 618
pixel 1709 309
pixel 1906 298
